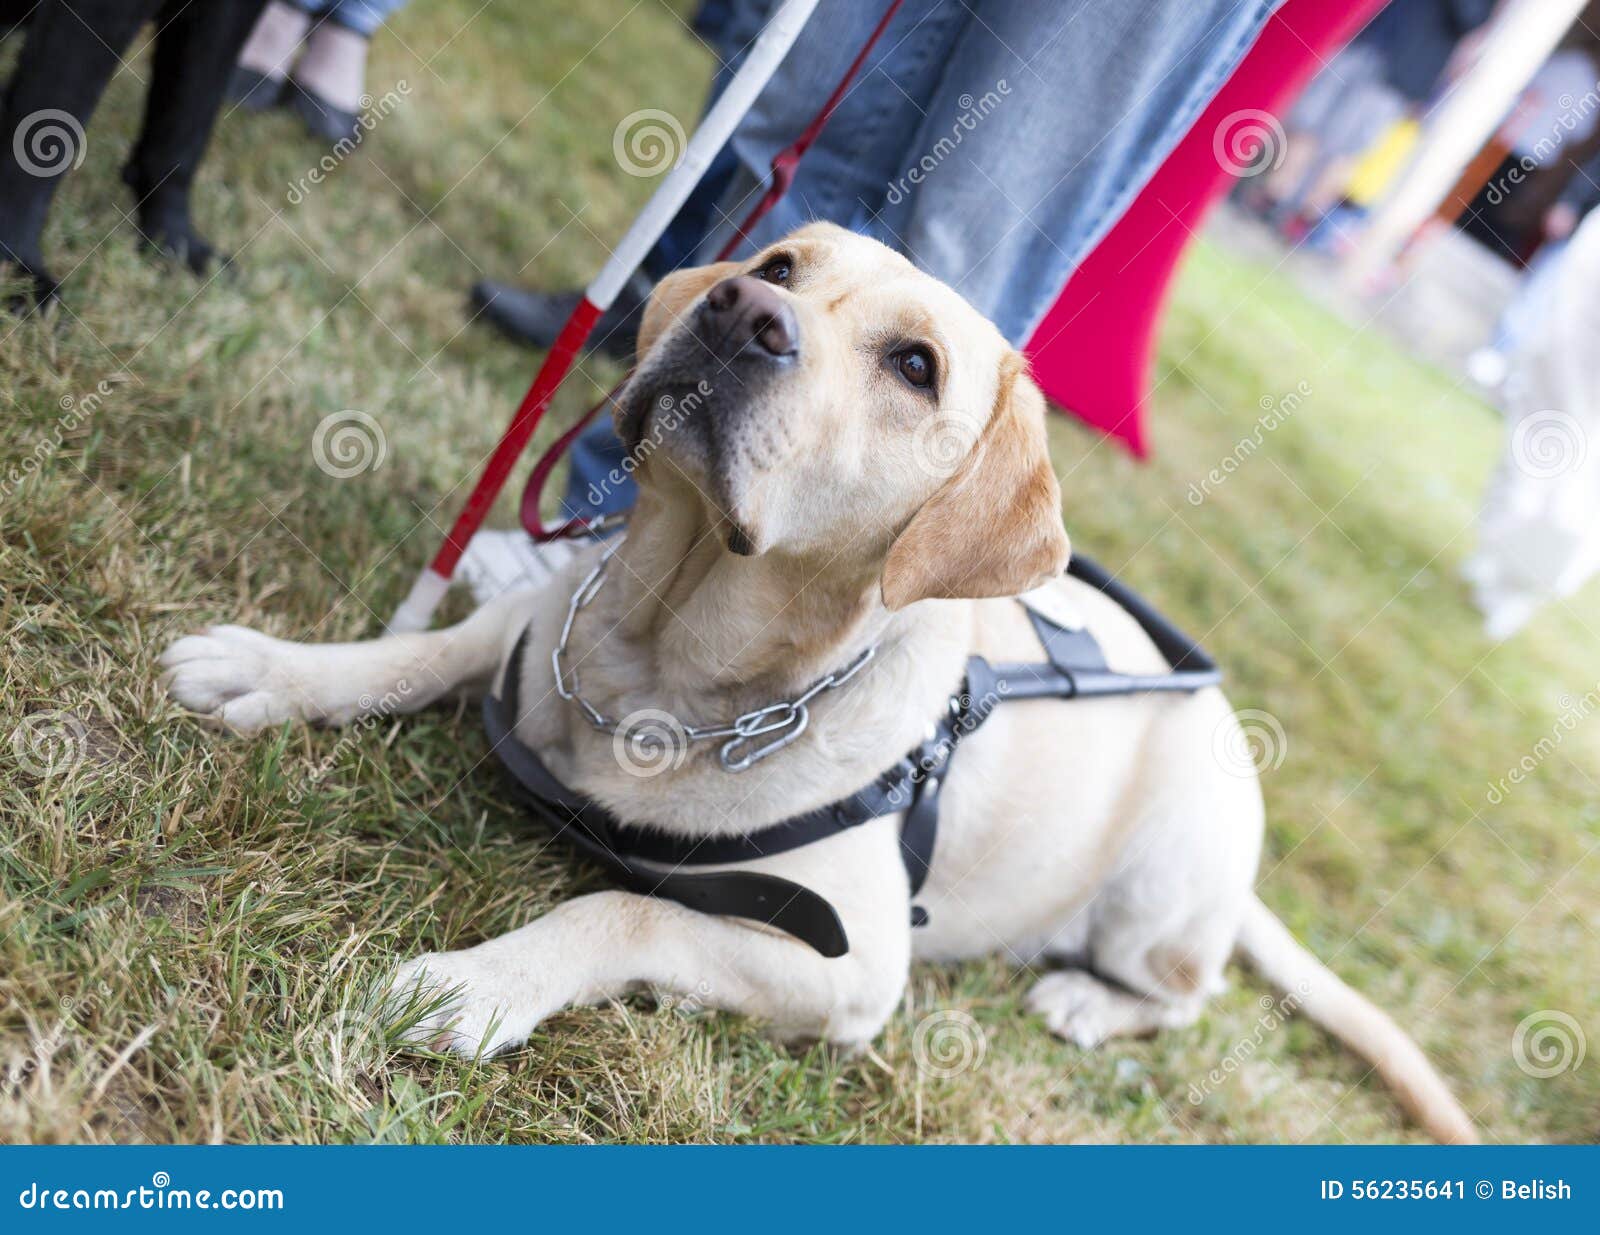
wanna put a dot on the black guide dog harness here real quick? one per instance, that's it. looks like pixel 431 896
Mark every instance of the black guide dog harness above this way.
pixel 657 863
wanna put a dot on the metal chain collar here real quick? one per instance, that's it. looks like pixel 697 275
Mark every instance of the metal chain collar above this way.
pixel 787 719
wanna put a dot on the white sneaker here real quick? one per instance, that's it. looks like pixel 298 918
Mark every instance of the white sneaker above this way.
pixel 496 562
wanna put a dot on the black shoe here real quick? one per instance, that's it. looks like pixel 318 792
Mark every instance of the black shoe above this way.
pixel 536 318
pixel 330 123
pixel 254 91
pixel 165 226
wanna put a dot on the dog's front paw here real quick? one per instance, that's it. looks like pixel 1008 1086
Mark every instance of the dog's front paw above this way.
pixel 244 679
pixel 469 1004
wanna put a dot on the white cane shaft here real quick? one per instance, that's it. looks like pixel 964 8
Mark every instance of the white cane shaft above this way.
pixel 719 123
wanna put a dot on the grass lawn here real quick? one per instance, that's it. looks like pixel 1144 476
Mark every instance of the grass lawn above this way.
pixel 188 924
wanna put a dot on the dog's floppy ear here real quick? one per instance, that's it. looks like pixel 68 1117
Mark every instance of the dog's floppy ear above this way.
pixel 994 528
pixel 673 296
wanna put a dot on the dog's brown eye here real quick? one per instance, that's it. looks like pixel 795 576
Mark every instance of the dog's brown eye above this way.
pixel 776 270
pixel 915 364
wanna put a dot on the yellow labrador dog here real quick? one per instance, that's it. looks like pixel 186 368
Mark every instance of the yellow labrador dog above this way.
pixel 835 451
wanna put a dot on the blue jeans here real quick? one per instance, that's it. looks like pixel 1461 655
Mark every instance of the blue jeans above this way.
pixel 993 142
pixel 362 16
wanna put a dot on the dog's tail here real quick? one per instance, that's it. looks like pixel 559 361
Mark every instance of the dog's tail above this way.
pixel 1356 1021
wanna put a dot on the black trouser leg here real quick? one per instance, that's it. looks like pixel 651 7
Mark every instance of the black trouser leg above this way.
pixel 66 60
pixel 197 45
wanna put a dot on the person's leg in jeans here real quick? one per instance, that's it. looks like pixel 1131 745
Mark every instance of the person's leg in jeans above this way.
pixel 993 144
pixel 535 317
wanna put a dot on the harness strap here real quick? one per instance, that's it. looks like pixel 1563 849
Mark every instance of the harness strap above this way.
pixel 648 860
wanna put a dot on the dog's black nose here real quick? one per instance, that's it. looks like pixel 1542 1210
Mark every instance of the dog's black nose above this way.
pixel 745 309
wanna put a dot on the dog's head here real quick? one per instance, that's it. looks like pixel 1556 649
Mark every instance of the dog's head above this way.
pixel 825 399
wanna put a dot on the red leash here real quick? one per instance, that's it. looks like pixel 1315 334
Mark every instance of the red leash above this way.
pixel 783 167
